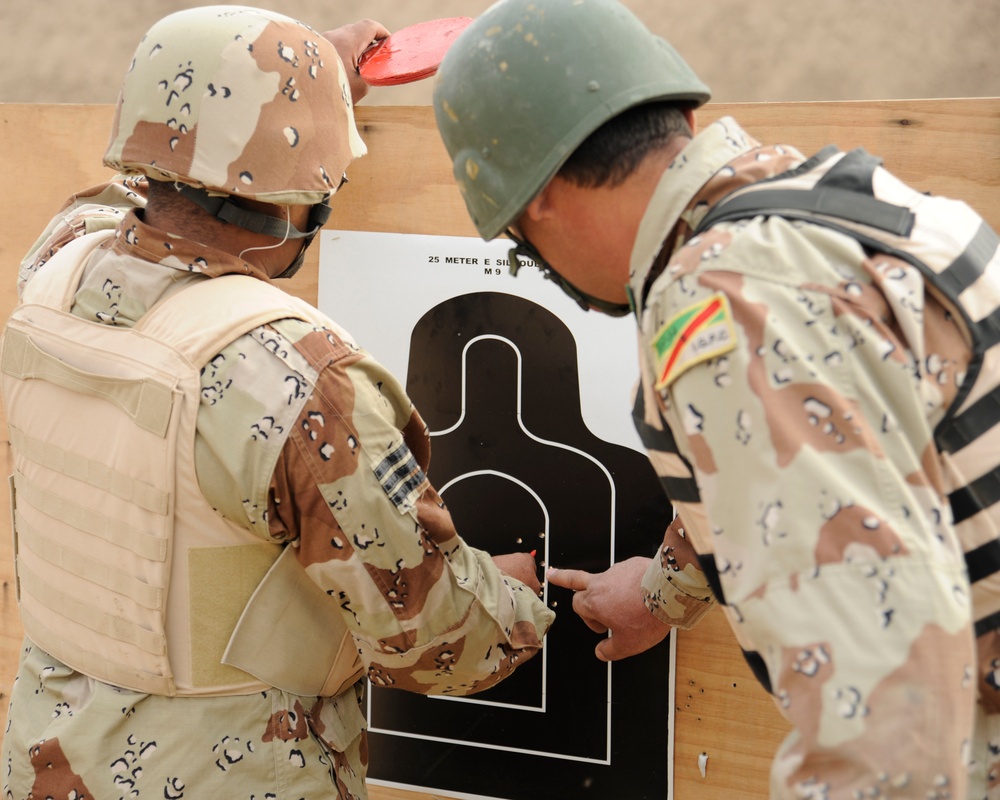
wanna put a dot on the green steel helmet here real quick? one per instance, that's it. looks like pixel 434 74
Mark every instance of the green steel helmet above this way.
pixel 237 101
pixel 528 81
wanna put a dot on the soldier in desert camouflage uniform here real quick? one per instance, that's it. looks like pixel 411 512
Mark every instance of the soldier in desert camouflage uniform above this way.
pixel 233 130
pixel 817 395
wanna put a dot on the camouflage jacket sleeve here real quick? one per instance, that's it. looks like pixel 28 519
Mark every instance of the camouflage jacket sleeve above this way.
pixel 674 587
pixel 346 485
pixel 97 208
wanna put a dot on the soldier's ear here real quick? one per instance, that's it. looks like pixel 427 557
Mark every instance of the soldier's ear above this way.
pixel 542 205
pixel 692 120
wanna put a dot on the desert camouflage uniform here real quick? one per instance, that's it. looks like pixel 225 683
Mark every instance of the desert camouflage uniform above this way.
pixel 432 614
pixel 792 385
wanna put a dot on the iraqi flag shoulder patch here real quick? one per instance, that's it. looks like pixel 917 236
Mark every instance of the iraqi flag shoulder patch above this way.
pixel 701 331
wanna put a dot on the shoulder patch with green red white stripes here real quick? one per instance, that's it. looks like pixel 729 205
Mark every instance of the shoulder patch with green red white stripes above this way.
pixel 699 332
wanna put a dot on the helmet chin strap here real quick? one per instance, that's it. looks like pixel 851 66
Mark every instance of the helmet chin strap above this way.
pixel 221 207
pixel 586 301
pixel 298 261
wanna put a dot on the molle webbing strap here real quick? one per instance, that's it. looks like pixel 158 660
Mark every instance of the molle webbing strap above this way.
pixel 966 427
pixel 967 268
pixel 87 568
pixel 83 519
pixel 91 663
pixel 94 619
pixel 969 500
pixel 983 561
pixel 987 624
pixel 91 472
pixel 146 402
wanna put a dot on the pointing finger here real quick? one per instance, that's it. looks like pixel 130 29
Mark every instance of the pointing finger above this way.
pixel 575 579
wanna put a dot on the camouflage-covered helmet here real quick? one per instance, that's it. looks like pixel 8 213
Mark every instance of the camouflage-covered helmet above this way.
pixel 528 81
pixel 238 101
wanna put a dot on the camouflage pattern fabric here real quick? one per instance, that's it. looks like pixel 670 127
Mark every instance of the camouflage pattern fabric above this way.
pixel 791 385
pixel 304 439
pixel 240 100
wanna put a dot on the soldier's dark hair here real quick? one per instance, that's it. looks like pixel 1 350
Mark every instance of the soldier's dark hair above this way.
pixel 198 225
pixel 166 197
pixel 611 153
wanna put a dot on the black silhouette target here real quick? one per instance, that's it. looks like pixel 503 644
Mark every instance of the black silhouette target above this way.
pixel 495 377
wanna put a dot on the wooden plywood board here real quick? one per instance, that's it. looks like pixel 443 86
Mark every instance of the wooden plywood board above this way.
pixel 949 147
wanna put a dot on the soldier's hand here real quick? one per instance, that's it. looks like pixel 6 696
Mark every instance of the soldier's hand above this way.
pixel 351 41
pixel 520 566
pixel 612 601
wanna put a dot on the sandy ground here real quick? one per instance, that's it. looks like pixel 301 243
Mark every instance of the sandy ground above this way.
pixel 75 51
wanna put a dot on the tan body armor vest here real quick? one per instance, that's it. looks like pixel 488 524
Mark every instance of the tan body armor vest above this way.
pixel 124 571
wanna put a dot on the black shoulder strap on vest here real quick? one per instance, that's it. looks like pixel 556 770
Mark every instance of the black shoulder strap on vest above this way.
pixel 844 193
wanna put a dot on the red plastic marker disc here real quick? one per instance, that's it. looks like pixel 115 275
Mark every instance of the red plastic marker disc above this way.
pixel 411 53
